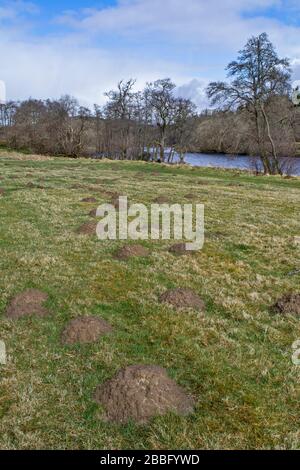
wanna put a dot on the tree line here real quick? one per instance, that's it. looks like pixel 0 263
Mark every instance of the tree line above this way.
pixel 252 114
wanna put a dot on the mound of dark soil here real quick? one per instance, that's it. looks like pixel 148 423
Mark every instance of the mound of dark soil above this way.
pixel 27 303
pixel 34 186
pixel 93 213
pixel 88 228
pixel 2 192
pixel 179 249
pixel 289 303
pixel 115 202
pixel 141 392
pixel 190 196
pixel 89 199
pixel 112 194
pixel 162 200
pixel 183 298
pixel 129 251
pixel 85 330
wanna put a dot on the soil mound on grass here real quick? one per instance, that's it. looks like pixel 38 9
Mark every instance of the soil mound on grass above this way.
pixel 93 213
pixel 190 196
pixel 141 392
pixel 129 251
pixel 89 199
pixel 112 194
pixel 27 303
pixel 115 201
pixel 89 228
pixel 289 303
pixel 179 249
pixel 183 298
pixel 2 192
pixel 85 330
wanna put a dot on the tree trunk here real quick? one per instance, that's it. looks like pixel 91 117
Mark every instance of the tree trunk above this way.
pixel 274 152
pixel 162 143
pixel 261 147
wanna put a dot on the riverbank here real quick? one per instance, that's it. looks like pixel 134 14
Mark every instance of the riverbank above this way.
pixel 290 166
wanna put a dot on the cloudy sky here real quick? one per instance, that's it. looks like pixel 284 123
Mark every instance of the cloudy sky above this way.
pixel 84 47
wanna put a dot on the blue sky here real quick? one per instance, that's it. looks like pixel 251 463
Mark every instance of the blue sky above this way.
pixel 49 48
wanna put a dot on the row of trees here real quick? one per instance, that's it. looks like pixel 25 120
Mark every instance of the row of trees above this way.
pixel 56 127
pixel 235 131
pixel 253 115
pixel 132 125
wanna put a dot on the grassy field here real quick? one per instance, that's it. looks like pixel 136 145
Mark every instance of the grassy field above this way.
pixel 235 358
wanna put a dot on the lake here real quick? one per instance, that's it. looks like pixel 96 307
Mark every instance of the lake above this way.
pixel 237 161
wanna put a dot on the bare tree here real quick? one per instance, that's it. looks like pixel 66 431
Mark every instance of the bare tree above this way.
pixel 26 132
pixel 98 129
pixel 256 76
pixel 162 103
pixel 184 112
pixel 73 126
pixel 119 104
pixel 119 113
pixel 129 126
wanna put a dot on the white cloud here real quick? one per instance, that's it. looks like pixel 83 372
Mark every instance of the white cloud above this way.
pixel 11 10
pixel 189 21
pixel 52 68
pixel 194 90
pixel 189 40
pixel 2 92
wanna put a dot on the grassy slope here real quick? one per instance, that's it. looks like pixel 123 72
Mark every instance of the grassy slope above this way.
pixel 235 358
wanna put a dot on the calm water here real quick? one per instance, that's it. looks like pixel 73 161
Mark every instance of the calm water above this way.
pixel 292 165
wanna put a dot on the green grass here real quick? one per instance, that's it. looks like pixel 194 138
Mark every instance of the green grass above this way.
pixel 235 359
